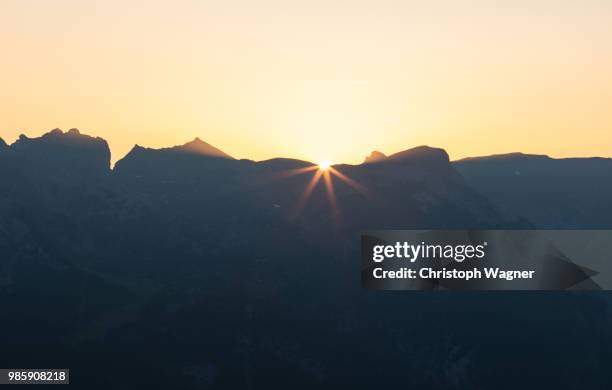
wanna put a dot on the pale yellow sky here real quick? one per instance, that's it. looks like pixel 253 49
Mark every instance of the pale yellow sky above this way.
pixel 318 80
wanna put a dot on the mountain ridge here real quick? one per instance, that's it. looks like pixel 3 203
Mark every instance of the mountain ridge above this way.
pixel 425 154
pixel 504 156
pixel 70 152
pixel 549 192
pixel 167 241
pixel 199 147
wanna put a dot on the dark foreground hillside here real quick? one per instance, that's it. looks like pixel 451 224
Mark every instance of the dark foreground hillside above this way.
pixel 186 268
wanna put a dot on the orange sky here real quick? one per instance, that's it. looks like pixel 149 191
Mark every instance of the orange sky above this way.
pixel 318 80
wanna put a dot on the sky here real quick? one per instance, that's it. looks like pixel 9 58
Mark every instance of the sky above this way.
pixel 317 80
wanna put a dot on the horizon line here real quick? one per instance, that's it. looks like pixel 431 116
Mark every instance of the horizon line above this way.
pixel 77 131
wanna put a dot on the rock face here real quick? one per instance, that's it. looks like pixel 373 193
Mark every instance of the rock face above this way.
pixel 199 147
pixel 422 155
pixel 375 156
pixel 59 153
pixel 195 161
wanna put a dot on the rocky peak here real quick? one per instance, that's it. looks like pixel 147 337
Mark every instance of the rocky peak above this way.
pixel 424 156
pixel 375 156
pixel 197 146
pixel 69 152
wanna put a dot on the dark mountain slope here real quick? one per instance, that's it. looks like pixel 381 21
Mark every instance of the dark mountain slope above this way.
pixel 414 188
pixel 178 270
pixel 54 198
pixel 59 153
pixel 193 160
pixel 55 170
pixel 554 193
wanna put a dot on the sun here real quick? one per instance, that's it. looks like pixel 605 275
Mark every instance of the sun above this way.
pixel 324 165
pixel 323 170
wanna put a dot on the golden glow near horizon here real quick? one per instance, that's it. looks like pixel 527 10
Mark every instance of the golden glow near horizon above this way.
pixel 324 165
pixel 273 78
pixel 328 173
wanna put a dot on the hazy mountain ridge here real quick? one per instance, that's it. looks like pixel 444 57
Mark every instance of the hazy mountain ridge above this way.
pixel 519 185
pixel 196 147
pixel 549 192
pixel 374 156
pixel 424 155
pixel 504 157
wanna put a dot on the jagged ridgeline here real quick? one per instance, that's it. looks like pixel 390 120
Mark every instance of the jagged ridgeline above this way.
pixel 184 267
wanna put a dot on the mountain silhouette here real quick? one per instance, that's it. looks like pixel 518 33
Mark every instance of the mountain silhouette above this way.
pixel 197 146
pixel 69 153
pixel 516 156
pixel 183 269
pixel 421 155
pixel 553 193
pixel 375 156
